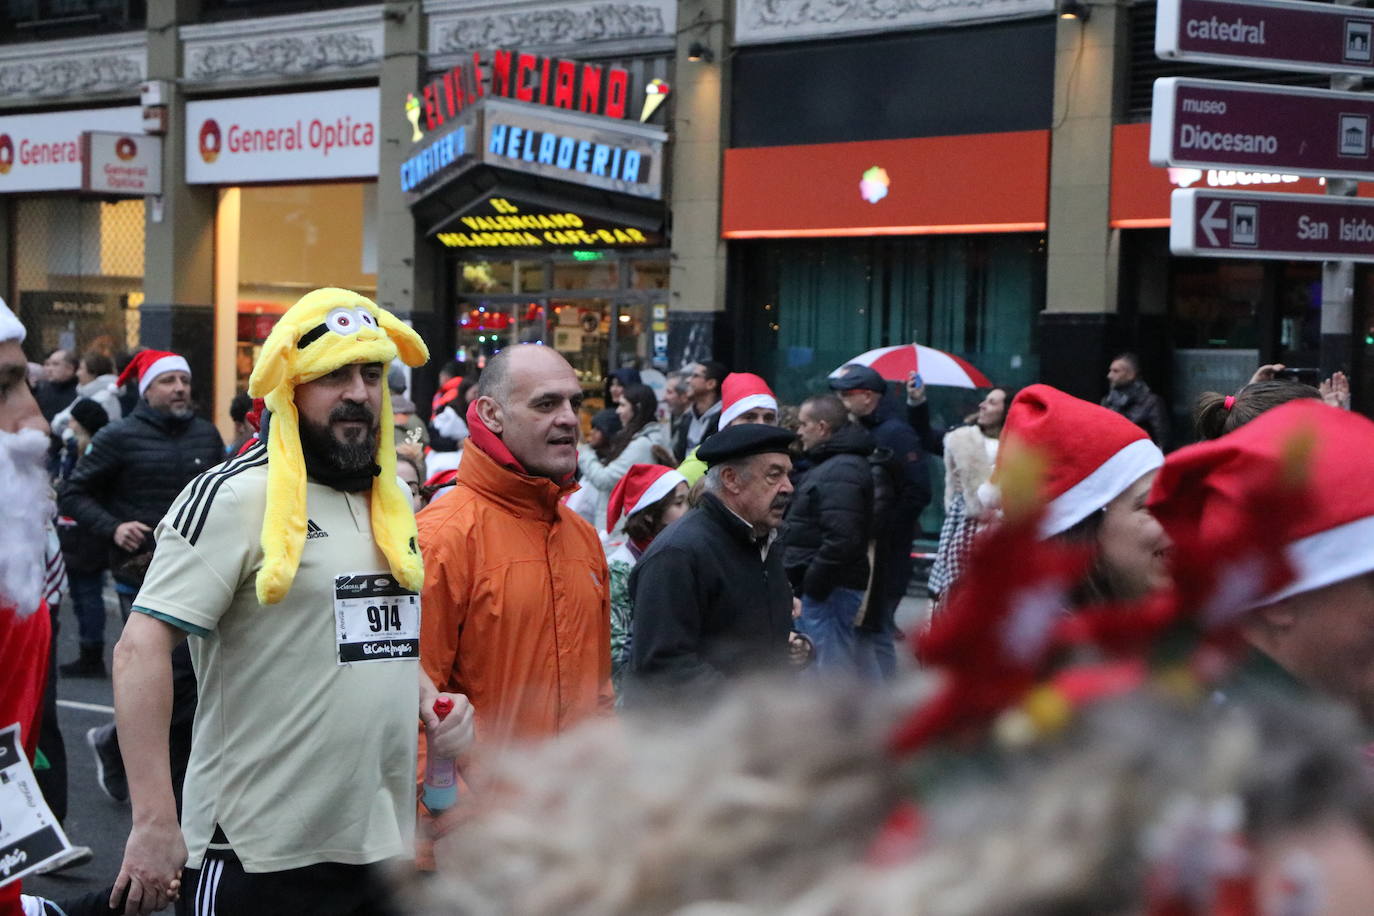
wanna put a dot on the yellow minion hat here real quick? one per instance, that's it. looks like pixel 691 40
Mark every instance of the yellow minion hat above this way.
pixel 326 329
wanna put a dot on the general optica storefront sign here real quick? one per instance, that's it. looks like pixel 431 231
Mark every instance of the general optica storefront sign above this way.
pixel 42 152
pixel 293 137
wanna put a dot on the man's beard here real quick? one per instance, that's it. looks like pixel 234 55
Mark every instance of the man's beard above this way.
pixel 318 441
pixel 25 513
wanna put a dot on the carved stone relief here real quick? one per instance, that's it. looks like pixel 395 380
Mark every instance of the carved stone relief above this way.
pixel 790 20
pixel 57 69
pixel 283 56
pixel 550 26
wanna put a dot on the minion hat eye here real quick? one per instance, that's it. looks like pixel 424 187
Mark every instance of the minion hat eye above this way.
pixel 327 329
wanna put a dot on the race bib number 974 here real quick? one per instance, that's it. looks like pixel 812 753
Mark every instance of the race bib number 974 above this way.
pixel 376 619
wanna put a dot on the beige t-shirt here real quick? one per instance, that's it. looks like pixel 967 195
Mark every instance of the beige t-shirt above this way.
pixel 298 757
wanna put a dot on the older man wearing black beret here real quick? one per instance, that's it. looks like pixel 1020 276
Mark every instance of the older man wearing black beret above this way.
pixel 711 596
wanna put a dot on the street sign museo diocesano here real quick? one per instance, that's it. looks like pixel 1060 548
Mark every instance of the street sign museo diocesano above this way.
pixel 1263 128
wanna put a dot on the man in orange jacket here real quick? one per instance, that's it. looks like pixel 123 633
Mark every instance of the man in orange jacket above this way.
pixel 516 593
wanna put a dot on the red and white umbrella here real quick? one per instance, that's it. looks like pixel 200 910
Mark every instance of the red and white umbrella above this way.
pixel 935 366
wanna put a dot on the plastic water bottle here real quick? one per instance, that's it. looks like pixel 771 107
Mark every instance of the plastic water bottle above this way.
pixel 441 774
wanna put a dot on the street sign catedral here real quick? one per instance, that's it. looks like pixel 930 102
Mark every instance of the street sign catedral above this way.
pixel 1269 34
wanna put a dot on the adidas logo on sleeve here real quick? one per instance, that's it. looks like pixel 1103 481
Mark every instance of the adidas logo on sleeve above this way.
pixel 313 530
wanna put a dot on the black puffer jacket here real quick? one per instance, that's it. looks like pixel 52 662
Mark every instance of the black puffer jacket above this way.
pixel 1137 403
pixel 830 520
pixel 134 470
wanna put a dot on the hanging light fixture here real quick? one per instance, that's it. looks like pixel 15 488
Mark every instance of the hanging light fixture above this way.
pixel 1073 9
pixel 698 52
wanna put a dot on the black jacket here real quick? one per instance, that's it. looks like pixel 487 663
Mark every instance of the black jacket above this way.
pixel 134 470
pixel 1137 403
pixel 55 397
pixel 830 519
pixel 707 606
pixel 684 425
pixel 890 430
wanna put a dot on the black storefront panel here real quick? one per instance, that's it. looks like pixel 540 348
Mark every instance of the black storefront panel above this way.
pixel 968 80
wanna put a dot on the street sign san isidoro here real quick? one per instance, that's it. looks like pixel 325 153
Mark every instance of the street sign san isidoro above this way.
pixel 1272 34
pixel 1215 124
pixel 1289 227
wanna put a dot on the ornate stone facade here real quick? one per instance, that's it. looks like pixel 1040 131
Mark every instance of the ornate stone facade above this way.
pixel 108 65
pixel 460 28
pixel 344 40
pixel 761 21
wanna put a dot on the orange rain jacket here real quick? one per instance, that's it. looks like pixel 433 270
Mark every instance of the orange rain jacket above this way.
pixel 515 612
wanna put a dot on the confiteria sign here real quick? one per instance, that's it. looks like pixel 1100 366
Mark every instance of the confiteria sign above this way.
pixel 290 137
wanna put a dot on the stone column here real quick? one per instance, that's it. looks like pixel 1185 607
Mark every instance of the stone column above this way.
pixel 179 248
pixel 699 136
pixel 1079 330
pixel 406 261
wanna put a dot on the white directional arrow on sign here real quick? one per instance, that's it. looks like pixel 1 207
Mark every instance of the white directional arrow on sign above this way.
pixel 1211 221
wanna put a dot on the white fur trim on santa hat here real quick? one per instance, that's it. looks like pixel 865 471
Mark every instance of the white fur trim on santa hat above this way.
pixel 657 490
pixel 1111 478
pixel 1328 557
pixel 746 404
pixel 171 363
pixel 11 328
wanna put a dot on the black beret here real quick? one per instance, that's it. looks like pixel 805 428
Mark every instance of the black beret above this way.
pixel 743 440
pixel 858 378
pixel 90 415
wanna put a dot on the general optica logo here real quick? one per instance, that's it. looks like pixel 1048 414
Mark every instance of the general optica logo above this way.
pixel 126 149
pixel 873 187
pixel 6 154
pixel 210 140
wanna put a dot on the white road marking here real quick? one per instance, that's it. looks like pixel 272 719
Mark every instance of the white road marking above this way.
pixel 88 707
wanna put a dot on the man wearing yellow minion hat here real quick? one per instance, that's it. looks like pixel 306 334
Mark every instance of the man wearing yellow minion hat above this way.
pixel 296 565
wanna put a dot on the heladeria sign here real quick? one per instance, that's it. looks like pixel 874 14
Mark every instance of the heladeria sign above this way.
pixel 569 146
pixel 290 137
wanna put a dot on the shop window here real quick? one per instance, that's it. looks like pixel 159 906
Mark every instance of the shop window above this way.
pixel 78 273
pixel 809 306
pixel 487 277
pixel 531 276
pixel 291 239
pixel 648 275
pixel 599 274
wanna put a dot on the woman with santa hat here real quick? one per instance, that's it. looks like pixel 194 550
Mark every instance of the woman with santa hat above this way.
pixel 650 497
pixel 1097 471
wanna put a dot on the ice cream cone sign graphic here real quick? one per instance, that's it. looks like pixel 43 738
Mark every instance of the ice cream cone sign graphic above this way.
pixel 654 94
pixel 413 116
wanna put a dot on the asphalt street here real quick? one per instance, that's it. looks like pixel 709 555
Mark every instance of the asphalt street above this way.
pixel 93 819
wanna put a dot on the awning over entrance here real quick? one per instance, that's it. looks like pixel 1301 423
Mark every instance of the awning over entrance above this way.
pixel 507 174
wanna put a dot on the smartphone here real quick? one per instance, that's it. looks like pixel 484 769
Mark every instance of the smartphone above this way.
pixel 1305 376
pixel 915 380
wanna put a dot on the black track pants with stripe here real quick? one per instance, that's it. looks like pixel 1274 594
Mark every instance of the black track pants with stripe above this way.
pixel 220 887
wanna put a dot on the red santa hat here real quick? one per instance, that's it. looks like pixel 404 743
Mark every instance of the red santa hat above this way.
pixel 742 392
pixel 641 487
pixel 1093 455
pixel 149 364
pixel 11 328
pixel 1329 533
